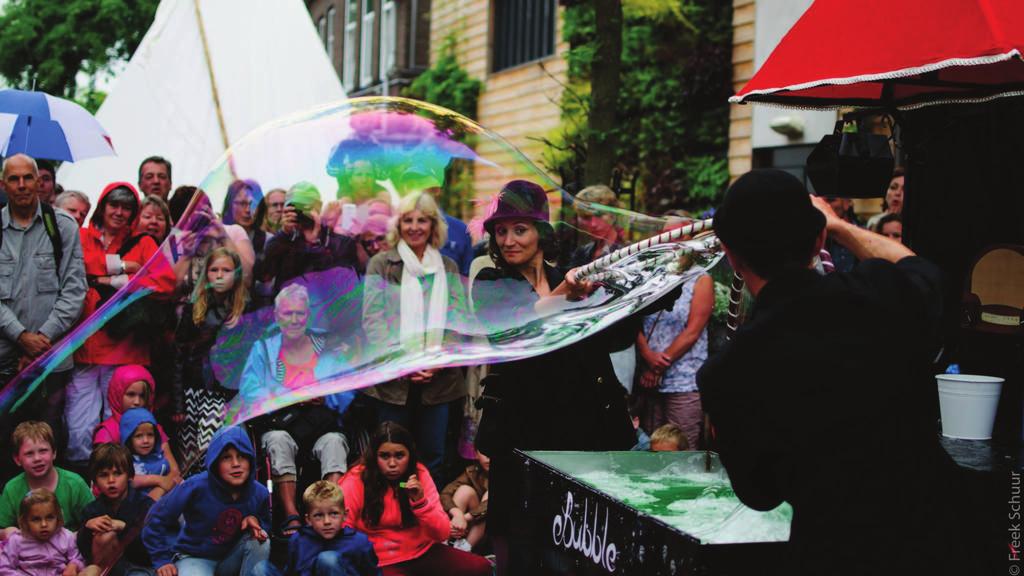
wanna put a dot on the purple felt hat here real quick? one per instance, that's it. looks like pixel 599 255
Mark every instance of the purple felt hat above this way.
pixel 519 199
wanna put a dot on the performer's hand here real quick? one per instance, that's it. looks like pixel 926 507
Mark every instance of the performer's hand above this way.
pixel 831 219
pixel 573 288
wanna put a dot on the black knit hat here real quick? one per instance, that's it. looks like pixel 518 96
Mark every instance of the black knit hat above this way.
pixel 768 220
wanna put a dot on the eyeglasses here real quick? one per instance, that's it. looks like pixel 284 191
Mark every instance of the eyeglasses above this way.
pixel 242 203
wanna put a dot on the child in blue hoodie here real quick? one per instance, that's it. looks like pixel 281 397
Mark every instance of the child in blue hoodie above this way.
pixel 140 434
pixel 226 515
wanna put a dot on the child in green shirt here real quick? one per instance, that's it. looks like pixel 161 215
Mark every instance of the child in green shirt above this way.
pixel 34 453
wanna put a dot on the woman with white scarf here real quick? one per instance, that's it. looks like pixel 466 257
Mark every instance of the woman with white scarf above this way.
pixel 413 297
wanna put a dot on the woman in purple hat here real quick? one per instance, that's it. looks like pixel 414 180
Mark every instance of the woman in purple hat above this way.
pixel 571 395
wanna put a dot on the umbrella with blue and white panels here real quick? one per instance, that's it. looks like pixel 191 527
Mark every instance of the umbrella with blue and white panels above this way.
pixel 46 127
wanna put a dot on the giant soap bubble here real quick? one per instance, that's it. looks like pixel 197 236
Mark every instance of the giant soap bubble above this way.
pixel 326 311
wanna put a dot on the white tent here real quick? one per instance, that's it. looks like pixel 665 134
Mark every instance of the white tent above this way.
pixel 262 58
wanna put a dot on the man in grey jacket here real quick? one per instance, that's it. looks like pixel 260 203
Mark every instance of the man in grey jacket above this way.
pixel 42 283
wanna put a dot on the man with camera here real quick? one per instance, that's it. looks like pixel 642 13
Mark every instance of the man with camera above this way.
pixel 303 245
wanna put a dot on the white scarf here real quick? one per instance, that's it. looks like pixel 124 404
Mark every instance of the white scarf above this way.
pixel 412 333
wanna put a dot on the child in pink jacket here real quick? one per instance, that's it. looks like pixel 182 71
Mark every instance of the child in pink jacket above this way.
pixel 391 498
pixel 132 386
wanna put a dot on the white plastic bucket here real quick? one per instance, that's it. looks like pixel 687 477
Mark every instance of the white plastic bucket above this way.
pixel 968 404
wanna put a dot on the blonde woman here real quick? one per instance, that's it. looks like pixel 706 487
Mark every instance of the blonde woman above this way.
pixel 413 296
pixel 219 300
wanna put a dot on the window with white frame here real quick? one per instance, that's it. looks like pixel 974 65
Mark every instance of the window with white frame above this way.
pixel 348 68
pixel 366 45
pixel 388 36
pixel 331 17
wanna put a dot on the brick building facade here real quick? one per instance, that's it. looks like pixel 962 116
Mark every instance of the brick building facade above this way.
pixel 377 47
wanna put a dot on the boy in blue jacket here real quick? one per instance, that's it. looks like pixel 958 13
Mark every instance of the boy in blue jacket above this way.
pixel 226 514
pixel 111 523
pixel 324 547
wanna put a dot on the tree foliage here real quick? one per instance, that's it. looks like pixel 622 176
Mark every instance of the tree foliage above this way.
pixel 447 84
pixel 673 114
pixel 46 43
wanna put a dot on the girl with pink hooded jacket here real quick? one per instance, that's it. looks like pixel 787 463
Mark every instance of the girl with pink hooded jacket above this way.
pixel 132 386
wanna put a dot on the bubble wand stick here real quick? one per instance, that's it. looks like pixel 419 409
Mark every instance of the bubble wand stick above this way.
pixel 597 269
pixel 664 238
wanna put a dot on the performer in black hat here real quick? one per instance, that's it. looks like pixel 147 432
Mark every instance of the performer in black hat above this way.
pixel 848 439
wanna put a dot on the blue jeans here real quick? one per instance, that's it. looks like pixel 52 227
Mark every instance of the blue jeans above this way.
pixel 240 561
pixel 327 563
pixel 428 424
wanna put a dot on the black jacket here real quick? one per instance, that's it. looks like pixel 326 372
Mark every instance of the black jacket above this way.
pixel 289 256
pixel 193 367
pixel 825 399
pixel 568 399
pixel 132 511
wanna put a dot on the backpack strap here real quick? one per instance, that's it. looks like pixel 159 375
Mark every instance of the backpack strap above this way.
pixel 53 231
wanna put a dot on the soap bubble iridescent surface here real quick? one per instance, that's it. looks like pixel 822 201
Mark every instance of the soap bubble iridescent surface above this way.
pixel 347 168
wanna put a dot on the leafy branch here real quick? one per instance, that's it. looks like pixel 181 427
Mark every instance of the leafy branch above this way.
pixel 673 116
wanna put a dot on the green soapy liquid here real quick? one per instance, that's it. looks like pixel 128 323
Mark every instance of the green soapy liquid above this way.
pixel 702 505
pixel 658 496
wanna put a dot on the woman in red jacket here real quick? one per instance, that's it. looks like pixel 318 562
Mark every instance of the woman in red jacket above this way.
pixel 112 256
pixel 391 498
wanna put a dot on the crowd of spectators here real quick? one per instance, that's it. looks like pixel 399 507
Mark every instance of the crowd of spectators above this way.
pixel 137 411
